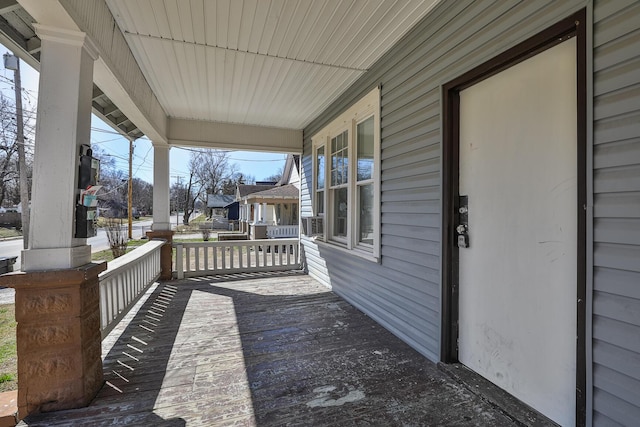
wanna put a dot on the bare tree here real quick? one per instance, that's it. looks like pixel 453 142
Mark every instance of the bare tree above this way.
pixel 9 144
pixel 276 176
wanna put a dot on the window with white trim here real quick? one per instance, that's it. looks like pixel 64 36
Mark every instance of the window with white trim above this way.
pixel 346 159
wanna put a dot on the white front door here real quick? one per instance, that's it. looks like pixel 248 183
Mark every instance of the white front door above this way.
pixel 518 167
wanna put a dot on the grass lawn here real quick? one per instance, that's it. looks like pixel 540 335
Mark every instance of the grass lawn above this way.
pixel 9 232
pixel 107 255
pixel 8 356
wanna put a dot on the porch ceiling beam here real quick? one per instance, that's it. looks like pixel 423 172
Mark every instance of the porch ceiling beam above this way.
pixel 233 136
pixel 116 71
pixel 7 6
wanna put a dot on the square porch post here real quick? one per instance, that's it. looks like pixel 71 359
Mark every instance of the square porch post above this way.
pixel 57 291
pixel 161 228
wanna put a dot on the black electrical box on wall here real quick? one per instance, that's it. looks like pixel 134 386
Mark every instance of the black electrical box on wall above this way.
pixel 85 221
pixel 87 202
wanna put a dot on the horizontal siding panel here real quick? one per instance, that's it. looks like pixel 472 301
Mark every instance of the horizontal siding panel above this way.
pixel 616 25
pixel 617 205
pixel 415 245
pixel 428 274
pixel 622 257
pixel 411 169
pixel 618 77
pixel 417 125
pixel 622 153
pixel 613 180
pixel 615 53
pixel 616 129
pixel 616 384
pixel 429 142
pixel 423 104
pixel 625 231
pixel 618 308
pixel 604 8
pixel 428 260
pixel 623 361
pixel 399 297
pixel 401 230
pixel 427 194
pixel 426 132
pixel 615 411
pixel 412 207
pixel 415 181
pixel 615 332
pixel 426 153
pixel 620 102
pixel 617 282
pixel 422 220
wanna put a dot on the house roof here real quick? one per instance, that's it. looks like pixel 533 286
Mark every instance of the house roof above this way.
pixel 293 161
pixel 284 192
pixel 218 201
pixel 244 189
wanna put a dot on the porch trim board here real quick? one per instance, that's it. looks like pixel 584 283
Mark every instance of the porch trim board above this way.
pixel 574 25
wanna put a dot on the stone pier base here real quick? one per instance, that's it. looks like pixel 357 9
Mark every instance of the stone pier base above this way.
pixel 58 337
pixel 166 266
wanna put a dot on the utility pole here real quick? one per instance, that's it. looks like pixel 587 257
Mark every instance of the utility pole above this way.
pixel 130 192
pixel 12 62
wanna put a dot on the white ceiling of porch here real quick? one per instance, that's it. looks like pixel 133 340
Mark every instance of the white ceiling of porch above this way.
pixel 274 63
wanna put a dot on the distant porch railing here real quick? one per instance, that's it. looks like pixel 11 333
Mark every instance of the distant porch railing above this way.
pixel 282 231
pixel 125 281
pixel 235 256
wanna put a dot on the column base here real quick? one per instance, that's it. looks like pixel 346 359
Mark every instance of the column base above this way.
pixel 166 252
pixel 58 337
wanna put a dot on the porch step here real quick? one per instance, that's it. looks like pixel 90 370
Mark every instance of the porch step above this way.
pixel 9 408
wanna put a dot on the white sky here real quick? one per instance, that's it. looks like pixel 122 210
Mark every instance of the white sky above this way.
pixel 259 165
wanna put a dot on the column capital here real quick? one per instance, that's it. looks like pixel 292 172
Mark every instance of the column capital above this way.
pixel 68 37
pixel 160 145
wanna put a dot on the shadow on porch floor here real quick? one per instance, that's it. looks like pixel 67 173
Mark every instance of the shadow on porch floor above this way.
pixel 268 351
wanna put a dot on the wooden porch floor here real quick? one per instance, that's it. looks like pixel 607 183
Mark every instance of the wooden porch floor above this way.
pixel 269 351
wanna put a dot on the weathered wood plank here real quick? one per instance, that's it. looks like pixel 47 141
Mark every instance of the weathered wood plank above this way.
pixel 280 350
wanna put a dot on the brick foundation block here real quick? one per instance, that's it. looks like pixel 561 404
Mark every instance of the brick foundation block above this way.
pixel 58 337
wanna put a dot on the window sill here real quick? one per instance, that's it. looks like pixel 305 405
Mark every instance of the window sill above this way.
pixel 360 253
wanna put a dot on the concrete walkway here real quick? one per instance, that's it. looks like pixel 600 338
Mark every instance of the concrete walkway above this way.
pixel 281 350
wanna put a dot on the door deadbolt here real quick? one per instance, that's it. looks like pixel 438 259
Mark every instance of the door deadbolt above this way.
pixel 462 229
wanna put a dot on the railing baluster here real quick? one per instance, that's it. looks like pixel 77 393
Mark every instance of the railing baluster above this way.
pixel 125 280
pixel 179 262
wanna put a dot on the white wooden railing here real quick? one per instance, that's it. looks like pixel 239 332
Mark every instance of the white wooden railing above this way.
pixel 235 256
pixel 125 281
pixel 282 231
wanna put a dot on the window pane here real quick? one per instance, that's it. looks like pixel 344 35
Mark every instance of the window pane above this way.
pixel 320 202
pixel 365 149
pixel 320 168
pixel 365 219
pixel 339 159
pixel 340 212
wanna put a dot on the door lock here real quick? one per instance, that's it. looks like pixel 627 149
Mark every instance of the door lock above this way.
pixel 462 229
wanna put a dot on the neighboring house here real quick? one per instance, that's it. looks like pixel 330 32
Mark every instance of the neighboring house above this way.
pixel 217 204
pixel 272 210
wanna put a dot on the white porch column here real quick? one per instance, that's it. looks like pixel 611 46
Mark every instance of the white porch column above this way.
pixel 161 218
pixel 265 212
pixel 63 124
